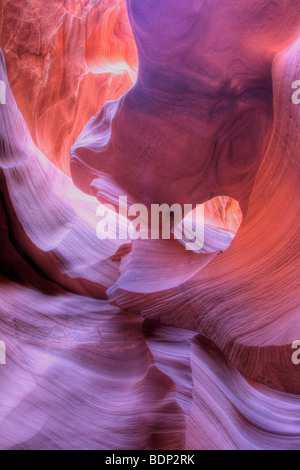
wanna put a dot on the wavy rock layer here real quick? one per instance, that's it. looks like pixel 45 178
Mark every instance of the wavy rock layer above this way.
pixel 143 345
pixel 246 300
pixel 64 60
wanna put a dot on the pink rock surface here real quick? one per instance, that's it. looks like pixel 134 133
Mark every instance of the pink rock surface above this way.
pixel 113 344
pixel 247 299
pixel 199 118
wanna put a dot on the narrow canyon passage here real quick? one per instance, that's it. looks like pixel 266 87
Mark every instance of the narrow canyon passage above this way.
pixel 142 344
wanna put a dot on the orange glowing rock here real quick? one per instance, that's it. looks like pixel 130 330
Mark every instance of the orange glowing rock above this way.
pixel 64 60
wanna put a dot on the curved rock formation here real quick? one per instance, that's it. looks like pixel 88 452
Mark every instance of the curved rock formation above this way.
pixel 141 344
pixel 246 300
pixel 199 118
pixel 60 72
